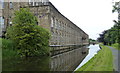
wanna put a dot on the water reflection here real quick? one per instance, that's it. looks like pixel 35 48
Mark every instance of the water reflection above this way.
pixel 66 61
pixel 29 64
pixel 93 49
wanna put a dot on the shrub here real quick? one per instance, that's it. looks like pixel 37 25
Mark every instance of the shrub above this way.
pixel 8 49
pixel 30 39
pixel 7 44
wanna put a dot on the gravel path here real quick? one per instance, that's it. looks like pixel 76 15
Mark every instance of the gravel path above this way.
pixel 116 58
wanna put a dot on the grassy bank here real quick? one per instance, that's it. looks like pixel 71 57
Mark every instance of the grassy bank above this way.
pixel 8 50
pixel 103 61
pixel 11 60
pixel 116 46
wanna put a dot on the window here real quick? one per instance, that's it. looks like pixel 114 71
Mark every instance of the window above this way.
pixel 11 5
pixel 2 22
pixel 2 4
pixel 52 21
pixel 36 3
pixel 31 2
pixel 55 22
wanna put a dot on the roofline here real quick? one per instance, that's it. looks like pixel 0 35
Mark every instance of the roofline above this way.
pixel 66 17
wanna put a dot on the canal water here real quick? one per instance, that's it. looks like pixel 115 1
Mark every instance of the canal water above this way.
pixel 93 49
pixel 26 64
pixel 67 61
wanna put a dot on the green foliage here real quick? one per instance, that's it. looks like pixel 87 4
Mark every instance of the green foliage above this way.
pixel 92 40
pixel 9 53
pixel 7 44
pixel 116 46
pixel 115 7
pixel 24 16
pixel 29 38
pixel 8 50
pixel 111 36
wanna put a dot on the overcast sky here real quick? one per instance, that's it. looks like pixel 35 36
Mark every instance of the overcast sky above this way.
pixel 92 16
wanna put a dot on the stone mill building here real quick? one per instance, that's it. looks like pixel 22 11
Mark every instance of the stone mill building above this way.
pixel 65 34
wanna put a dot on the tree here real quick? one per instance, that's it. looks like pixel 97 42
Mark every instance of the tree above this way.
pixel 109 36
pixel 102 36
pixel 116 8
pixel 30 39
pixel 112 35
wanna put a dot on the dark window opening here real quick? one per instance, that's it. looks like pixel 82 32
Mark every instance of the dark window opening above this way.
pixel 11 5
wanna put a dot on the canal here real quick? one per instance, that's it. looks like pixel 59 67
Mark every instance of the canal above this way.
pixel 68 61
pixel 93 49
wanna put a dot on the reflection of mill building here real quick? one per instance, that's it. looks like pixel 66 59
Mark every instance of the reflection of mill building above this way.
pixel 64 32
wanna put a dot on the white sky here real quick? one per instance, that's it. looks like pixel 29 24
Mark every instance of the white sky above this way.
pixel 92 16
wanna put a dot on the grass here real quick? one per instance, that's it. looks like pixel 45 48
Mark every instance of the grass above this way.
pixel 7 44
pixel 8 50
pixel 0 49
pixel 103 61
pixel 9 54
pixel 116 46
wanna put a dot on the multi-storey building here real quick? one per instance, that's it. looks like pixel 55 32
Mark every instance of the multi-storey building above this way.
pixel 66 40
pixel 64 32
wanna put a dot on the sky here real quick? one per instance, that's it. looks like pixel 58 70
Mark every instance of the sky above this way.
pixel 92 16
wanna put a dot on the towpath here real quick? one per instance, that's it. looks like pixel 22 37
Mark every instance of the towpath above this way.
pixel 116 58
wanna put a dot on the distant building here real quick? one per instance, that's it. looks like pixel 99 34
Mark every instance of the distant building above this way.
pixel 64 32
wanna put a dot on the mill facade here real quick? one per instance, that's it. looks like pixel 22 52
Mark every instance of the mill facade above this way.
pixel 68 41
pixel 65 34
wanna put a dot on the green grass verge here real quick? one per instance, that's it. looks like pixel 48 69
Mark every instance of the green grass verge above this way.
pixel 103 61
pixel 116 46
pixel 9 54
pixel 8 50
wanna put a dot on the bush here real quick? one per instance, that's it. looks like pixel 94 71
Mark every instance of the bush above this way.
pixel 8 49
pixel 30 39
pixel 7 44
pixel 116 45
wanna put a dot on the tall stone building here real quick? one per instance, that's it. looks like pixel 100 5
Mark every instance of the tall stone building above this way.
pixel 68 40
pixel 64 32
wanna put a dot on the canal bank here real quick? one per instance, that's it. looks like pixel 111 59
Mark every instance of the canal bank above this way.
pixel 103 61
pixel 93 49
